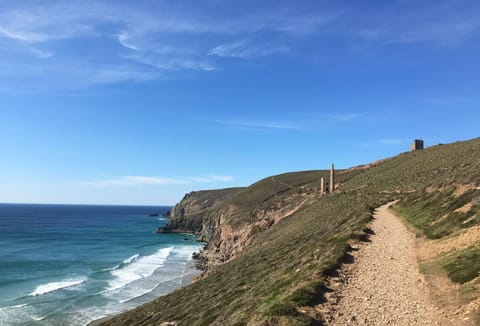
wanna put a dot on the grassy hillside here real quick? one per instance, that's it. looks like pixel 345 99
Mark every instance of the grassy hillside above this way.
pixel 264 194
pixel 281 270
pixel 280 275
pixel 271 191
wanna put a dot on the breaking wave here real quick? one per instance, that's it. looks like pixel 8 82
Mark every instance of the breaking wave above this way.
pixel 55 286
pixel 137 267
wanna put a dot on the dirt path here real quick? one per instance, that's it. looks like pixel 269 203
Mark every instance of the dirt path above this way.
pixel 383 285
pixel 280 182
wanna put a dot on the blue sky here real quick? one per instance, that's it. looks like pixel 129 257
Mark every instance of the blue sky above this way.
pixel 139 102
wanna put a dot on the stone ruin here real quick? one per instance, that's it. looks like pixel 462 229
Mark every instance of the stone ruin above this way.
pixel 329 186
pixel 416 145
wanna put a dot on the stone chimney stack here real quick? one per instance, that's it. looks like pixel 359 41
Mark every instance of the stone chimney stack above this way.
pixel 332 178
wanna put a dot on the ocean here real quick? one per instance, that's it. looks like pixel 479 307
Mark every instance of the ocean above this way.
pixel 72 264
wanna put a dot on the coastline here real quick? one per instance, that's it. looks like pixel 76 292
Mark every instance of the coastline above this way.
pixel 196 267
pixel 191 273
pixel 200 258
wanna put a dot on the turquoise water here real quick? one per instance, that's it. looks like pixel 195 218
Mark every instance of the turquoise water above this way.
pixel 69 264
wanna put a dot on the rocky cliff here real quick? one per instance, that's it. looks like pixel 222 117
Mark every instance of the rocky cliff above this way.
pixel 199 213
pixel 228 219
pixel 190 214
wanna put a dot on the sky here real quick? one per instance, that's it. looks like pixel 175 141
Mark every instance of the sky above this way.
pixel 140 102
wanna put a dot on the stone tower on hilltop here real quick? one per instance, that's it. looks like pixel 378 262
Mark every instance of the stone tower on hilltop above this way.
pixel 416 145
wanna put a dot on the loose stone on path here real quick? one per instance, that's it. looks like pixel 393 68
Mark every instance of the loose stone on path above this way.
pixel 384 285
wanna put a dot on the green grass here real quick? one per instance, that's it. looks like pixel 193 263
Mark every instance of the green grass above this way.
pixel 284 266
pixel 268 193
pixel 436 166
pixel 464 265
pixel 434 213
pixel 471 289
pixel 461 266
pixel 280 270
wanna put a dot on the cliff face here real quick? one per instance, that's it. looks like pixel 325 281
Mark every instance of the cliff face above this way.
pixel 200 213
pixel 228 219
pixel 190 214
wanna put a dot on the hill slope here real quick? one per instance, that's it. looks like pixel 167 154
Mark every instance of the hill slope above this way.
pixel 272 245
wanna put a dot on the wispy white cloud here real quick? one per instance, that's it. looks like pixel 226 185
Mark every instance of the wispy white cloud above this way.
pixel 340 117
pixel 22 36
pixel 124 39
pixel 133 181
pixel 42 54
pixel 163 37
pixel 308 22
pixel 441 23
pixel 47 22
pixel 212 178
pixel 258 124
pixel 245 50
pixel 141 181
pixel 106 74
pixel 169 63
pixel 166 37
pixel 72 78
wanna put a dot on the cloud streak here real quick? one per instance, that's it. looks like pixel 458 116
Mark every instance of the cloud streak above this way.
pixel 342 117
pixel 212 178
pixel 246 50
pixel 143 181
pixel 141 42
pixel 258 124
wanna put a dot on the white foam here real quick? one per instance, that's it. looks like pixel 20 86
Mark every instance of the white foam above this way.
pixel 139 268
pixel 13 307
pixel 125 262
pixel 131 259
pixel 185 252
pixel 54 286
pixel 17 314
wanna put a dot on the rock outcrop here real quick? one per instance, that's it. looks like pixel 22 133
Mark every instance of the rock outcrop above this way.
pixel 199 212
pixel 228 219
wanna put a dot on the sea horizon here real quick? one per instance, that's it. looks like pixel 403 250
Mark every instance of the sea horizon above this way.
pixel 86 204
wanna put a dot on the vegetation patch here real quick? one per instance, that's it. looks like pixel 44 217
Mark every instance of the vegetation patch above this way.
pixel 463 266
pixel 471 289
pixel 305 295
pixel 438 214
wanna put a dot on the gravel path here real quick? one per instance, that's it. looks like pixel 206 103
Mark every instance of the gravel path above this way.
pixel 383 285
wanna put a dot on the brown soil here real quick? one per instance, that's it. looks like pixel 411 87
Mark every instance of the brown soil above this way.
pixel 383 284
pixel 428 249
pixel 464 209
pixel 461 189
